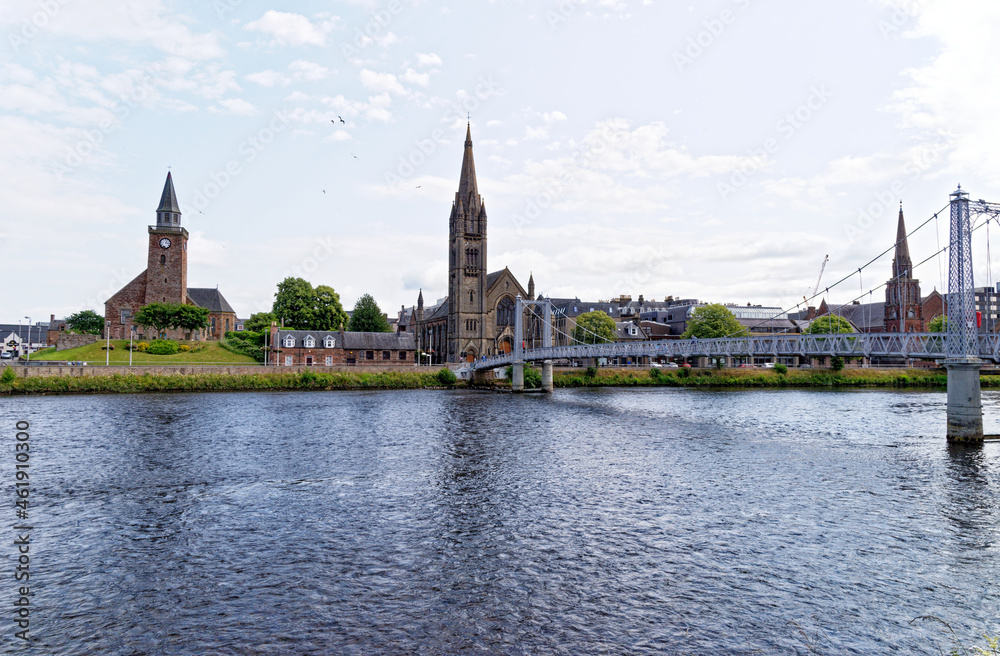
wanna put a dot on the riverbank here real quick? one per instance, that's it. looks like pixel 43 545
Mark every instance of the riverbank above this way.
pixel 739 378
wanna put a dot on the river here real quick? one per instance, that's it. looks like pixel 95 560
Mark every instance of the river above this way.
pixel 604 521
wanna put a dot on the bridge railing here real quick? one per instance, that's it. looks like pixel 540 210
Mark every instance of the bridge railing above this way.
pixel 930 346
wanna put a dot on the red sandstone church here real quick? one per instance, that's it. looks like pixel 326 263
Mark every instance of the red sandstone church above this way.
pixel 165 280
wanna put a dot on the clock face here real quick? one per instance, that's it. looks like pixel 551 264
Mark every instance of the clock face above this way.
pixel 164 243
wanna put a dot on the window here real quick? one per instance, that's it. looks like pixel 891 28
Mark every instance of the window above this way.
pixel 309 342
pixel 472 297
pixel 289 360
pixel 386 355
pixel 329 360
pixel 289 341
pixel 369 355
pixel 505 312
pixel 402 355
pixel 163 260
pixel 125 314
pixel 227 325
pixel 213 325
pixel 309 361
pixel 329 342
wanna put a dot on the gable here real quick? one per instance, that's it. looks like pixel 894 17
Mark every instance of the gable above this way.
pixel 503 282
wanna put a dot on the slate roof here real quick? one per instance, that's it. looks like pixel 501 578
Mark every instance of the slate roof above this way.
pixel 864 316
pixel 38 333
pixel 210 298
pixel 168 199
pixel 353 341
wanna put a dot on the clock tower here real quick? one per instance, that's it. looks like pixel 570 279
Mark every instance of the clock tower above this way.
pixel 166 269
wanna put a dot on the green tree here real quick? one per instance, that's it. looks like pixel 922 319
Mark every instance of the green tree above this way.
pixel 595 328
pixel 155 315
pixel 715 320
pixel 938 324
pixel 86 322
pixel 259 322
pixel 295 304
pixel 367 317
pixel 189 317
pixel 330 313
pixel 830 324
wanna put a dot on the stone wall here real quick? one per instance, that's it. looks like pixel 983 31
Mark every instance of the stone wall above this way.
pixel 66 341
pixel 168 370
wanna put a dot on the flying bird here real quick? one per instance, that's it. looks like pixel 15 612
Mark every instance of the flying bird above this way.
pixel 342 120
pixel 355 156
pixel 324 191
pixel 417 187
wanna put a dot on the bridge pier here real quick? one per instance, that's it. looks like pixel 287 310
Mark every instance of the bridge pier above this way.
pixel 965 405
pixel 547 375
pixel 517 378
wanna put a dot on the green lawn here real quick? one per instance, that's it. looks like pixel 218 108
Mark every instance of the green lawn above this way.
pixel 94 354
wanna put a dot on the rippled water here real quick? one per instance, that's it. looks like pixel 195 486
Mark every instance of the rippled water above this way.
pixel 654 521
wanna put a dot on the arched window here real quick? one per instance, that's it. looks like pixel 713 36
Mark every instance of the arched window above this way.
pixel 163 260
pixel 505 312
pixel 472 297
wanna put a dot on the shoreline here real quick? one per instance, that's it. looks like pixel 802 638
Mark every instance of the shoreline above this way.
pixel 306 380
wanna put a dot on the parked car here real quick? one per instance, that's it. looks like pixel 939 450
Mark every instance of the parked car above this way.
pixel 769 365
pixel 6 355
pixel 656 365
pixel 672 365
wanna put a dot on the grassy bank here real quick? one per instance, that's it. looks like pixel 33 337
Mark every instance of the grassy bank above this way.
pixel 758 378
pixel 124 384
pixel 201 353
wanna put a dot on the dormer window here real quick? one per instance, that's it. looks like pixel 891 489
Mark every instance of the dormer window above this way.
pixel 289 341
pixel 329 342
pixel 309 342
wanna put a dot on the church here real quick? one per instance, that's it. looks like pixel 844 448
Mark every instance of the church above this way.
pixel 477 317
pixel 165 281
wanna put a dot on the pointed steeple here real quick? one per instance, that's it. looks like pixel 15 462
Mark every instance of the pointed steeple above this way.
pixel 169 212
pixel 902 266
pixel 467 183
pixel 531 286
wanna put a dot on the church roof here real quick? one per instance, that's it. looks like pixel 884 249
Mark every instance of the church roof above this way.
pixel 209 298
pixel 168 199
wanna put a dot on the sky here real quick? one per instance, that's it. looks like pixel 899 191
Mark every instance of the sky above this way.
pixel 717 151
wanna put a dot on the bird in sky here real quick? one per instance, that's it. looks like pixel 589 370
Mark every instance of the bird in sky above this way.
pixel 342 120
pixel 355 156
pixel 324 191
pixel 417 187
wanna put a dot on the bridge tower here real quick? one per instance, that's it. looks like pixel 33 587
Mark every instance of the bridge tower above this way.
pixel 965 407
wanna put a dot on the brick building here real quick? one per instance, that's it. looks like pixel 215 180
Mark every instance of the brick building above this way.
pixel 328 348
pixel 165 280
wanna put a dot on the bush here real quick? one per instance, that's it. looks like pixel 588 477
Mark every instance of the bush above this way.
pixel 837 363
pixel 780 368
pixel 162 347
pixel 8 376
pixel 184 347
pixel 591 371
pixel 655 373
pixel 142 346
pixel 684 372
pixel 532 377
pixel 446 377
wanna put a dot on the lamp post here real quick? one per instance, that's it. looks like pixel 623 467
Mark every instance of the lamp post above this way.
pixel 28 351
pixel 131 334
pixel 20 338
pixel 107 347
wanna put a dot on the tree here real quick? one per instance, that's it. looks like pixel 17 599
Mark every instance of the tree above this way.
pixel 189 317
pixel 155 315
pixel 830 323
pixel 259 322
pixel 595 328
pixel 715 320
pixel 295 304
pixel 367 317
pixel 938 324
pixel 330 313
pixel 86 322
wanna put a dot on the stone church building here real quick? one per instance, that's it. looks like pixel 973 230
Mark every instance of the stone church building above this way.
pixel 477 318
pixel 165 281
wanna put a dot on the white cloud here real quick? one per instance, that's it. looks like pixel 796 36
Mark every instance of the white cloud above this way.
pixel 428 59
pixel 421 79
pixel 384 82
pixel 292 29
pixel 236 106
pixel 299 71
pixel 553 117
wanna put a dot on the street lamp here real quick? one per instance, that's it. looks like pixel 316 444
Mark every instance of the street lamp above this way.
pixel 28 351
pixel 107 347
pixel 131 334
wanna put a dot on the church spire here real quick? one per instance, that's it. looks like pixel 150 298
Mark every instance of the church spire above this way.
pixel 902 266
pixel 467 183
pixel 169 212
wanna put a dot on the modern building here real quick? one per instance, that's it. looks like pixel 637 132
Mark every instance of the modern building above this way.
pixel 165 281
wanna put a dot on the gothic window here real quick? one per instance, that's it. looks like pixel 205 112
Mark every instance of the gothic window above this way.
pixel 472 297
pixel 472 257
pixel 505 312
pixel 163 260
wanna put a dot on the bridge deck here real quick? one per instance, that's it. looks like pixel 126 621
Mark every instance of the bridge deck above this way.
pixel 930 346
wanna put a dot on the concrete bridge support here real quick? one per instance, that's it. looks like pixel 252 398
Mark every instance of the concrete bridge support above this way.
pixel 517 378
pixel 965 406
pixel 547 375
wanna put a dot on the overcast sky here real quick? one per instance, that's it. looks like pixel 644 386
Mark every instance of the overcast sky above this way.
pixel 716 151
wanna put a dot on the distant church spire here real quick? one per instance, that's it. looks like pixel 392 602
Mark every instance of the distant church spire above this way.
pixel 168 214
pixel 902 266
pixel 467 183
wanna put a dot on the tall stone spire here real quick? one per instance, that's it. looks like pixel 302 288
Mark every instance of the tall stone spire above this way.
pixel 902 266
pixel 168 214
pixel 467 186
